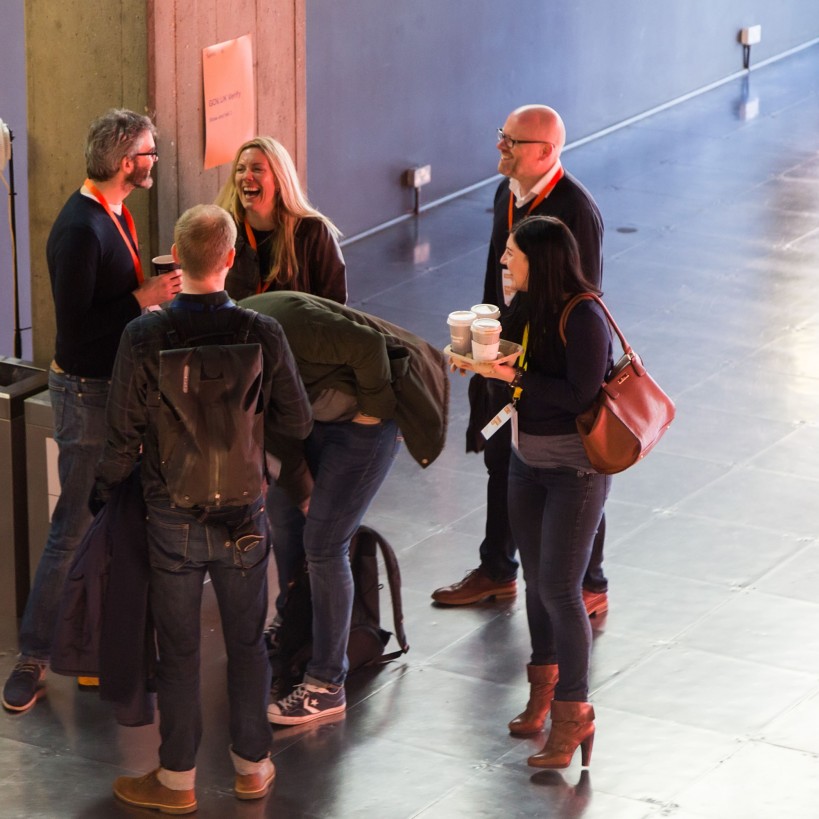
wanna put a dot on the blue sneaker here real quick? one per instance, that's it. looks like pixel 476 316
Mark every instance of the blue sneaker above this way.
pixel 22 688
pixel 307 702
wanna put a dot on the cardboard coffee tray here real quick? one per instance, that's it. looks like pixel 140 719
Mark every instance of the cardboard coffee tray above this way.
pixel 508 351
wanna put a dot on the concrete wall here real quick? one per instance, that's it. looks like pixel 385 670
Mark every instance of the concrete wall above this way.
pixel 83 57
pixel 177 34
pixel 394 84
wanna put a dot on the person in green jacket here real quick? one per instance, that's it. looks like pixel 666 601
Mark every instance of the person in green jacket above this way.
pixel 368 382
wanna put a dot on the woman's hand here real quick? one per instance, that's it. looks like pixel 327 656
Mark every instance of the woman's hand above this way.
pixel 503 372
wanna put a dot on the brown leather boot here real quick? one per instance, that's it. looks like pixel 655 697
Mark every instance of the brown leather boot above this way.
pixel 542 681
pixel 572 725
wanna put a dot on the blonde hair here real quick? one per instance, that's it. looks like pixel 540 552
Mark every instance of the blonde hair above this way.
pixel 291 206
pixel 203 235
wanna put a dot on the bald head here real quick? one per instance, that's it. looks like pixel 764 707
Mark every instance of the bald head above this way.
pixel 543 122
pixel 534 136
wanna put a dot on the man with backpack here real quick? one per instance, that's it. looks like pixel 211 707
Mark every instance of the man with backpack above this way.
pixel 368 381
pixel 190 388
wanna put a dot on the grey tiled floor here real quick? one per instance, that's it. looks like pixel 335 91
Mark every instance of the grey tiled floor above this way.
pixel 705 672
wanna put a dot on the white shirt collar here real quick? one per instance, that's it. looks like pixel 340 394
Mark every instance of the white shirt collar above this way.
pixel 544 180
pixel 115 208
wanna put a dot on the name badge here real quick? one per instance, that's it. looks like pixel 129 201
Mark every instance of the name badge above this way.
pixel 497 422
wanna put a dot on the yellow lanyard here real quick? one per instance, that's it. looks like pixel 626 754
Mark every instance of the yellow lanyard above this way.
pixel 522 363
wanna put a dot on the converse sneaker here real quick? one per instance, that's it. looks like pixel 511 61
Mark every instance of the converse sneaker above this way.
pixel 307 702
pixel 23 687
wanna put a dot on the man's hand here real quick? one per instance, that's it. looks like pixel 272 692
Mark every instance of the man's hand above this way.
pixel 158 289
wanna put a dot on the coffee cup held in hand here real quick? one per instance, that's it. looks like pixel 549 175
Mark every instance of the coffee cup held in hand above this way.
pixel 165 264
pixel 460 323
pixel 485 339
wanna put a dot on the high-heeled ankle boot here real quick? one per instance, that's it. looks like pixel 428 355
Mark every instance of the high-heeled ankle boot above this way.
pixel 542 681
pixel 572 725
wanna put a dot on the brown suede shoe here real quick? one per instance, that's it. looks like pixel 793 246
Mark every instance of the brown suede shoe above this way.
pixel 476 586
pixel 255 785
pixel 148 792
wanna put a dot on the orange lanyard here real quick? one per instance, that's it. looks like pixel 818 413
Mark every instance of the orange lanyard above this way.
pixel 251 240
pixel 131 244
pixel 539 198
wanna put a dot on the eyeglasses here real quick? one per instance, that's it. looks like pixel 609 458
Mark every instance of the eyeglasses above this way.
pixel 154 154
pixel 510 143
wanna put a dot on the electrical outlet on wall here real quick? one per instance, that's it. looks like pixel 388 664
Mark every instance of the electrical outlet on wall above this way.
pixel 751 35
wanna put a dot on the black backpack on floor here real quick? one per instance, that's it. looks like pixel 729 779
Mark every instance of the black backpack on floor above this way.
pixel 367 639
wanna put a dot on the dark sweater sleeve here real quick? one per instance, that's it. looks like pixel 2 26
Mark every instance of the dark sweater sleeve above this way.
pixel 322 268
pixel 588 358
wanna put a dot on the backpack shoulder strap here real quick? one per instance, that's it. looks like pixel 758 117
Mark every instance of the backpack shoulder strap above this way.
pixel 246 320
pixel 171 329
pixel 394 579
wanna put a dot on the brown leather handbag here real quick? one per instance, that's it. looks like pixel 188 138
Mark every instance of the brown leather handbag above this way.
pixel 631 412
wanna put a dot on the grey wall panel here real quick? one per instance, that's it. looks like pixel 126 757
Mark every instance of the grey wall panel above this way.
pixel 13 113
pixel 391 85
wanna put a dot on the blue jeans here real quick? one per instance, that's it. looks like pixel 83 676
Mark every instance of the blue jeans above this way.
pixel 182 549
pixel 78 405
pixel 498 547
pixel 349 462
pixel 554 514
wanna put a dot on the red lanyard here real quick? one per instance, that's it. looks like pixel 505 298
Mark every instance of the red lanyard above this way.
pixel 129 220
pixel 251 238
pixel 539 198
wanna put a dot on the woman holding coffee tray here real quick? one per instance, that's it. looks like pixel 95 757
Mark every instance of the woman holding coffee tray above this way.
pixel 555 496
pixel 283 242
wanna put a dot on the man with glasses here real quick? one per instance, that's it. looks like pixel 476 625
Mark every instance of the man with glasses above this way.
pixel 530 143
pixel 98 287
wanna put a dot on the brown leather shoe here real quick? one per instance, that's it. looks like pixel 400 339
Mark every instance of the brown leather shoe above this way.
pixel 255 785
pixel 595 602
pixel 148 792
pixel 476 586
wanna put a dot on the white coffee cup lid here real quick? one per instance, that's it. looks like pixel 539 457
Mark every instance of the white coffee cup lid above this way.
pixel 460 317
pixel 485 310
pixel 486 324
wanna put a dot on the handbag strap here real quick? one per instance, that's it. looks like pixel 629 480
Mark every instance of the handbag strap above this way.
pixel 574 301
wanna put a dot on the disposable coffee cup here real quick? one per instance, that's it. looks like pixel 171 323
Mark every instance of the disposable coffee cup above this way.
pixel 485 339
pixel 165 264
pixel 491 311
pixel 460 330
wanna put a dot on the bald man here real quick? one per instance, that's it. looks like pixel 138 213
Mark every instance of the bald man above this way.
pixel 530 144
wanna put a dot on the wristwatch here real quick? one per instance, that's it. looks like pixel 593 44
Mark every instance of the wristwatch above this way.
pixel 515 382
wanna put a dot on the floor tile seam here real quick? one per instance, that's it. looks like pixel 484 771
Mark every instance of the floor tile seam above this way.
pixel 680 644
pixel 676 641
pixel 674 511
pixel 759 416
